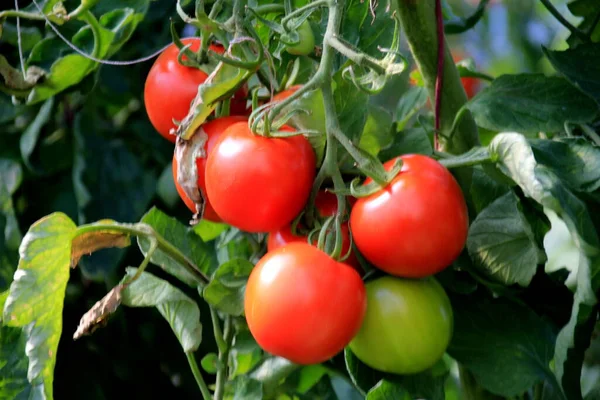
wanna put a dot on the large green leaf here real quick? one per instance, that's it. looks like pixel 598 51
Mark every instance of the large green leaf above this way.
pixel 351 107
pixel 386 390
pixel 226 289
pixel 109 182
pixel 502 244
pixel 30 137
pixel 115 28
pixel 182 237
pixel 581 66
pixel 576 162
pixel 13 367
pixel 428 384
pixel 531 103
pixel 377 131
pixel 516 159
pixel 506 346
pixel 36 296
pixel 180 311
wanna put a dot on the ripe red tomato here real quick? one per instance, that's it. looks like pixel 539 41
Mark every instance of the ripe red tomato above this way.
pixel 417 225
pixel 408 325
pixel 170 88
pixel 471 86
pixel 302 305
pixel 284 94
pixel 326 204
pixel 213 130
pixel 259 184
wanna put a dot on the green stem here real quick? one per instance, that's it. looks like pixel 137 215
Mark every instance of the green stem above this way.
pixel 419 24
pixel 296 13
pixel 89 18
pixel 559 17
pixel 216 9
pixel 222 369
pixel 147 231
pixel 21 14
pixel 206 395
pixel 269 8
pixel 590 133
pixel 218 333
pixel 356 57
pixel 458 162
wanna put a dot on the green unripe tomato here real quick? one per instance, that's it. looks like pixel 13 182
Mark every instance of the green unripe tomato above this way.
pixel 407 327
pixel 307 41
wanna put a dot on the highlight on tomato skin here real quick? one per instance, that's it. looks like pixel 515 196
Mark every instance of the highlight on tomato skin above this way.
pixel 417 225
pixel 213 129
pixel 256 183
pixel 171 87
pixel 302 305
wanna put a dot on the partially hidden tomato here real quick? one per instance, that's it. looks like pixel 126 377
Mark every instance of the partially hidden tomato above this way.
pixel 326 205
pixel 302 305
pixel 471 86
pixel 284 94
pixel 256 183
pixel 407 327
pixel 213 130
pixel 416 225
pixel 171 87
pixel 306 43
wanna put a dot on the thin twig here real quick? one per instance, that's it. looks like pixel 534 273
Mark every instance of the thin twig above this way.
pixel 206 395
pixel 575 31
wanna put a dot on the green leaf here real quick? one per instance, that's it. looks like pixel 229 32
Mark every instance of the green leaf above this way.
pixel 409 104
pixel 13 365
pixel 530 103
pixel 408 141
pixel 36 295
pixel 351 107
pixel 502 244
pixel 506 346
pixel 377 133
pixel 180 311
pixel 576 162
pixel 245 353
pixel 30 137
pixel 209 363
pixel 65 71
pixel 484 190
pixel 386 390
pixel 226 289
pixel 244 388
pixel 109 182
pixel 580 65
pixel 182 237
pixel 428 384
pixel 11 174
pixel 208 230
pixel 516 159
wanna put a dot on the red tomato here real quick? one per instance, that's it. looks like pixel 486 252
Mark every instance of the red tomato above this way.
pixel 471 86
pixel 259 184
pixel 286 93
pixel 213 130
pixel 170 88
pixel 302 305
pixel 326 204
pixel 417 225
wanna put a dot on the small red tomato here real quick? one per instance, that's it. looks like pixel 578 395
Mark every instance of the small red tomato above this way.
pixel 417 225
pixel 284 94
pixel 259 184
pixel 213 130
pixel 171 87
pixel 471 86
pixel 302 305
pixel 326 204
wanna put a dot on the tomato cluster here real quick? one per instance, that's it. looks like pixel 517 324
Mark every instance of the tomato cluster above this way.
pixel 300 303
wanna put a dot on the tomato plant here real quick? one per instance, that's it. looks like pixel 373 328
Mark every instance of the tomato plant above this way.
pixel 287 312
pixel 453 147
pixel 170 88
pixel 417 225
pixel 213 130
pixel 407 327
pixel 259 184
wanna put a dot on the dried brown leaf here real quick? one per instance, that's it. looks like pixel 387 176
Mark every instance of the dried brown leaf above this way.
pixel 87 243
pixel 98 315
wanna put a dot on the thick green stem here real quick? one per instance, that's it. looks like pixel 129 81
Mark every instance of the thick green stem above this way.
pixel 21 14
pixel 419 24
pixel 223 364
pixel 206 395
pixel 89 18
pixel 147 231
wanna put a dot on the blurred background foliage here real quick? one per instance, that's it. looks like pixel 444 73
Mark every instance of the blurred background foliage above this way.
pixel 92 153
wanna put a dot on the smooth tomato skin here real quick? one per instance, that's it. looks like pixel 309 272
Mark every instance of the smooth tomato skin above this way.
pixel 326 205
pixel 407 327
pixel 284 94
pixel 417 225
pixel 302 305
pixel 259 184
pixel 471 86
pixel 213 130
pixel 170 88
